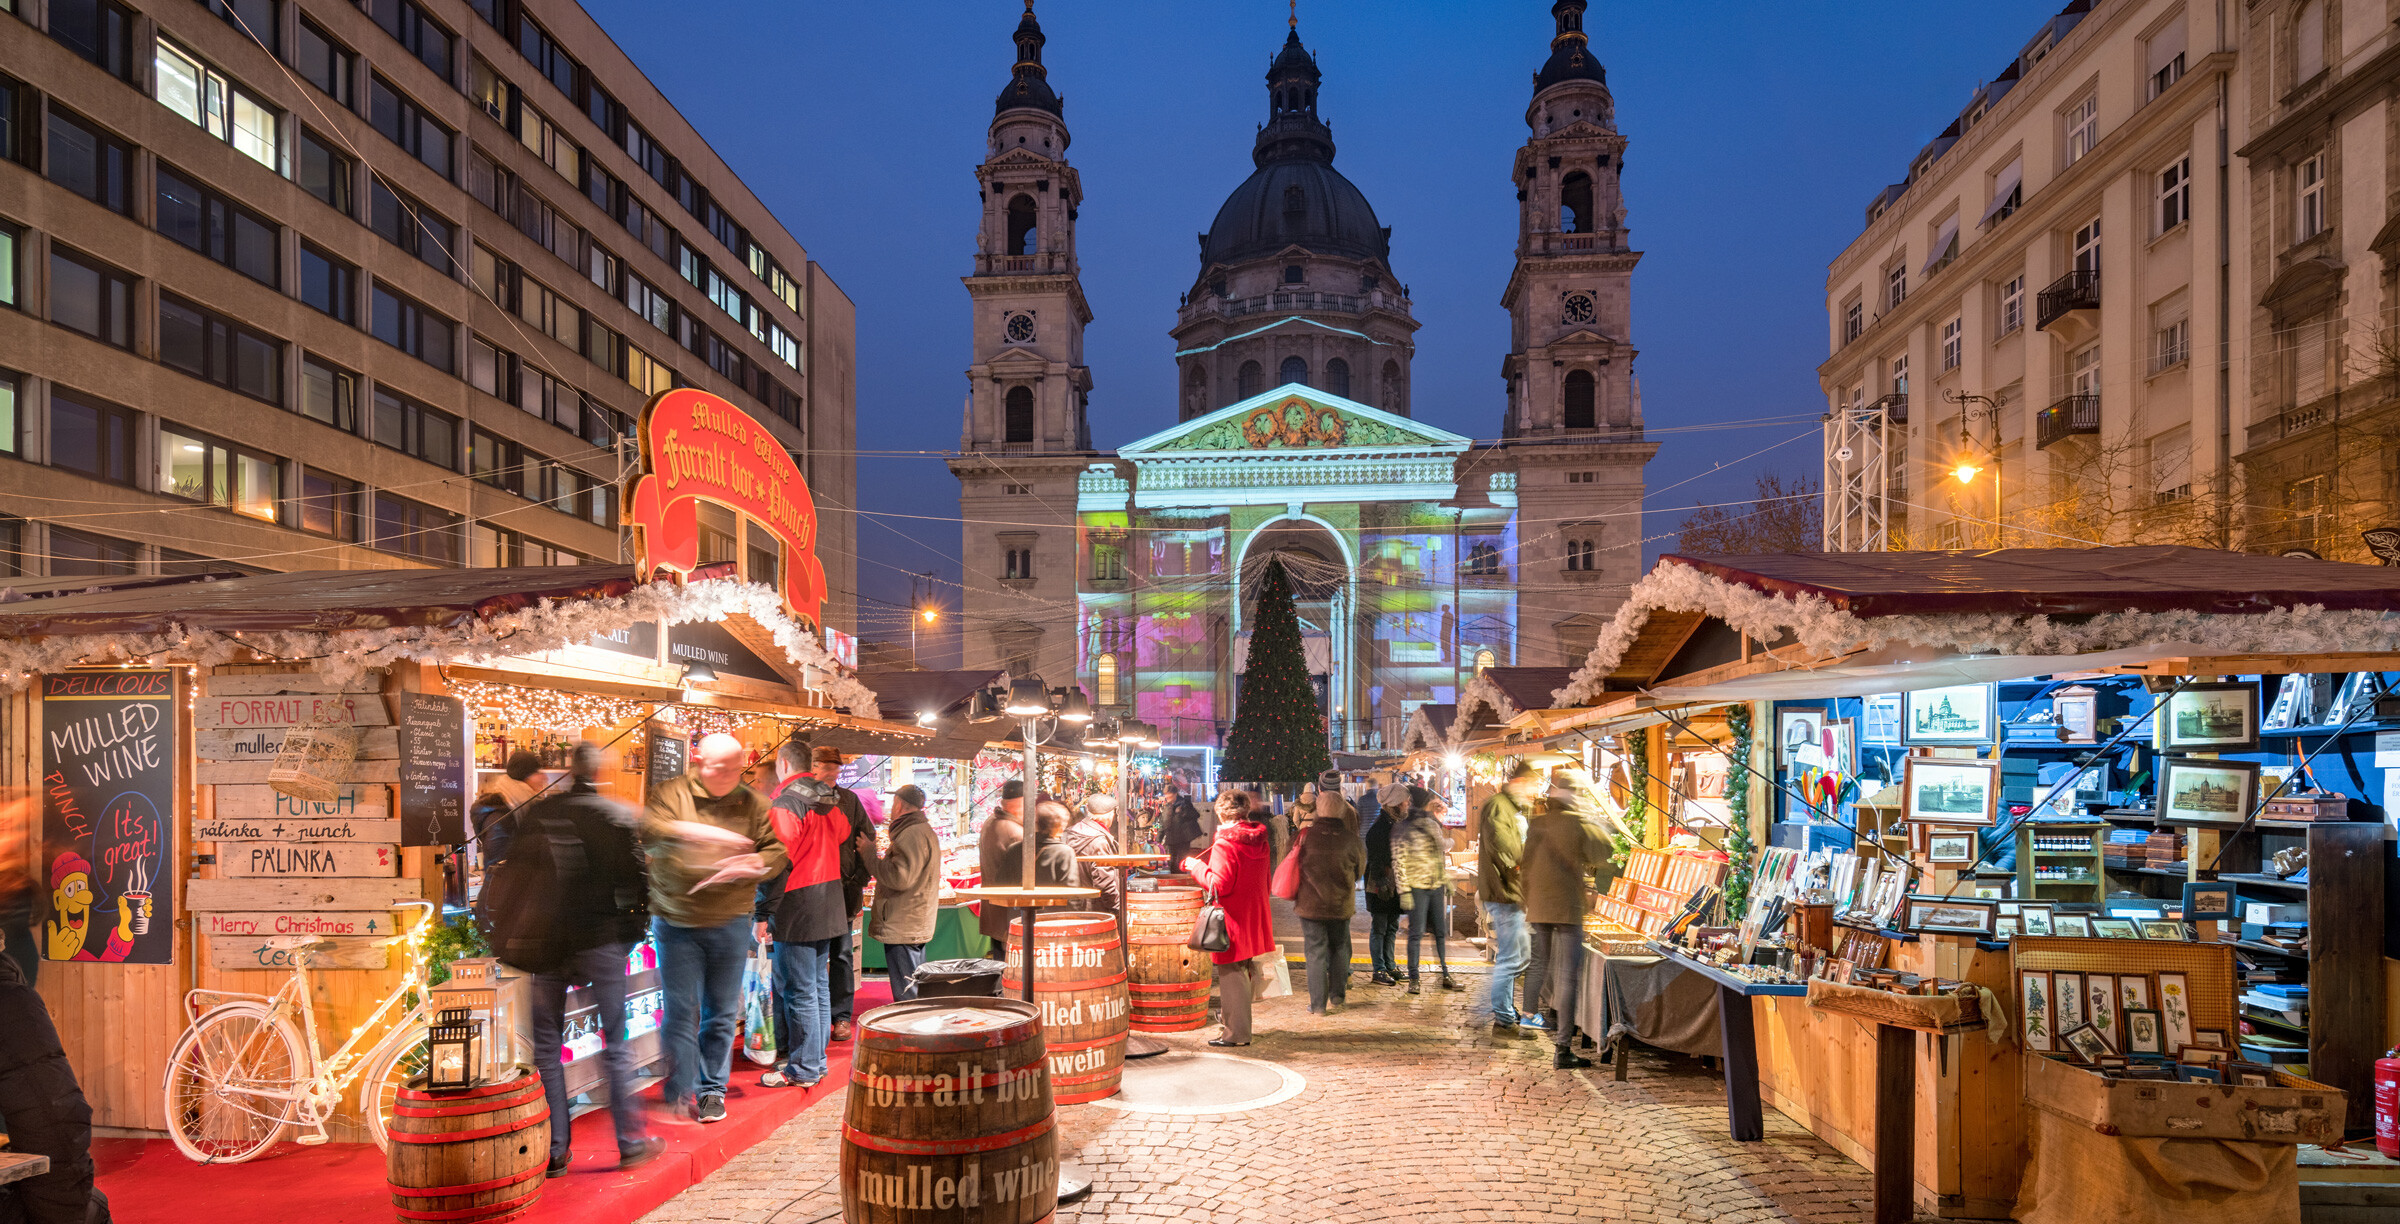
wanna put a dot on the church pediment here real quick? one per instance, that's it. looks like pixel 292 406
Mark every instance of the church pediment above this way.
pixel 1025 159
pixel 1584 335
pixel 1297 419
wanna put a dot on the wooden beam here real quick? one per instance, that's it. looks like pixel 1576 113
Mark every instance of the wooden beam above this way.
pixel 1655 753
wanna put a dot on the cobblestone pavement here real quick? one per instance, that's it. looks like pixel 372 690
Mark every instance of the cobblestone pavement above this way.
pixel 1413 1111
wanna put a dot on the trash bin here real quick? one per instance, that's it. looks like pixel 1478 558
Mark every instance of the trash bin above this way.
pixel 973 978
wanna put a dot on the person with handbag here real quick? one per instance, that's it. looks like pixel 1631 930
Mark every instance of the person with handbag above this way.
pixel 1384 907
pixel 1235 875
pixel 1329 859
pixel 1420 860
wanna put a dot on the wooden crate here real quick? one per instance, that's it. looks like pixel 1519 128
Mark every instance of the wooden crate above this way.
pixel 2301 1112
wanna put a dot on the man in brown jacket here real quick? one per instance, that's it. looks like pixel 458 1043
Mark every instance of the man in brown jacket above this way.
pixel 997 853
pixel 1332 858
pixel 908 891
pixel 1564 845
pixel 1096 833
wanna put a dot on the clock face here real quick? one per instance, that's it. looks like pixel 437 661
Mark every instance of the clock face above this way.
pixel 1020 328
pixel 1578 308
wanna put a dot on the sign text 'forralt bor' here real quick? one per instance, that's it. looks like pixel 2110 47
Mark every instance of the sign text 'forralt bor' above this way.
pixel 696 447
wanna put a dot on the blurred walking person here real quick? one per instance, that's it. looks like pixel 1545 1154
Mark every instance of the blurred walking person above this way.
pixel 810 916
pixel 1331 860
pixel 1565 846
pixel 1096 834
pixel 1385 906
pixel 1420 860
pixel 858 857
pixel 1499 841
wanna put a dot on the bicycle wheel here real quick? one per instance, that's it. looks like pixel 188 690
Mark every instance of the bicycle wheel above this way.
pixel 396 1062
pixel 233 1083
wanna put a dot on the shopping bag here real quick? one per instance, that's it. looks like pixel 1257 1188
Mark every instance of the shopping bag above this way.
pixel 1273 977
pixel 758 1007
pixel 1286 883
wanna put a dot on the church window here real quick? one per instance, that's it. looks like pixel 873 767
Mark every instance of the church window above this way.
pixel 1293 274
pixel 1020 225
pixel 1246 381
pixel 1483 558
pixel 1294 371
pixel 1485 660
pixel 1108 562
pixel 1020 415
pixel 1337 377
pixel 1104 679
pixel 1580 395
pixel 1575 204
pixel 1583 555
pixel 1018 563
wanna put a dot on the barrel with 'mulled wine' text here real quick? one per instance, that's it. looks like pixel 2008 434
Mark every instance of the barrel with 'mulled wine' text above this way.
pixel 949 1117
pixel 1079 983
pixel 1168 981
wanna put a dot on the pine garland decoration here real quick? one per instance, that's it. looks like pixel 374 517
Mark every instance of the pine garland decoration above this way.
pixel 1278 733
pixel 1637 798
pixel 1738 843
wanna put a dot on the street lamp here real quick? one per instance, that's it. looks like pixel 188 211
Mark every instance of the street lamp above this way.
pixel 1965 471
pixel 1032 706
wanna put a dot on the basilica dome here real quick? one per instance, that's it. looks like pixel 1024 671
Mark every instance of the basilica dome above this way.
pixel 1298 201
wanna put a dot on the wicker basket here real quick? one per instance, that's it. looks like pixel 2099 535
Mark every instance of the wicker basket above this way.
pixel 1925 1013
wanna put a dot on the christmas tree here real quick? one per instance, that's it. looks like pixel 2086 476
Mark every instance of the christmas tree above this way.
pixel 1278 731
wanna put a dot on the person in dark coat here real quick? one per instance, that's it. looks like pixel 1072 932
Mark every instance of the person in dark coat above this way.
pixel 858 867
pixel 1331 861
pixel 1053 858
pixel 603 881
pixel 1096 834
pixel 1384 906
pixel 45 1112
pixel 996 853
pixel 1565 846
pixel 1184 827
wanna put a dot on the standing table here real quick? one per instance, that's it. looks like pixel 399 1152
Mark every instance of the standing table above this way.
pixel 1745 1117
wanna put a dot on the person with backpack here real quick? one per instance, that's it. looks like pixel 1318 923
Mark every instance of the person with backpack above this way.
pixel 583 847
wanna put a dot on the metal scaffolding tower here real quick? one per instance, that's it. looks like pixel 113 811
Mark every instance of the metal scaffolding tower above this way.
pixel 1858 474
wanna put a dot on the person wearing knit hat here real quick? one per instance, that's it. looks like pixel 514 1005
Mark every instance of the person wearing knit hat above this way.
pixel 72 903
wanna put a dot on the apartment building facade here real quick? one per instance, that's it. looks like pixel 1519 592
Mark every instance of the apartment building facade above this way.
pixel 374 283
pixel 2050 298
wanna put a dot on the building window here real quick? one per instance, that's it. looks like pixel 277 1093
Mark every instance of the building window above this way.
pixel 2304 513
pixel 499 462
pixel 1021 226
pixel 1579 406
pixel 1016 490
pixel 98 30
pixel 2170 462
pixel 92 437
pixel 1900 374
pixel 403 123
pixel 211 347
pixel 406 224
pixel 217 227
pixel 409 327
pixel 1337 377
pixel 203 469
pixel 2082 122
pixel 329 284
pixel 327 505
pixel 1953 342
pixel 1483 557
pixel 1583 556
pixel 2173 345
pixel 329 394
pixel 89 162
pixel 77 554
pixel 254 18
pixel 1017 563
pixel 2087 247
pixel 491 369
pixel 424 38
pixel 91 297
pixel 206 98
pixel 2175 194
pixel 546 56
pixel 1895 285
pixel 1293 373
pixel 1018 409
pixel 2012 304
pixel 1854 321
pixel 2306 344
pixel 9 389
pixel 16 139
pixel 325 172
pixel 650 303
pixel 2166 75
pixel 1104 680
pixel 1580 477
pixel 2311 210
pixel 2308 43
pixel 538 134
pixel 1108 563
pixel 413 530
pixel 412 428
pixel 13 561
pixel 1246 381
pixel 326 64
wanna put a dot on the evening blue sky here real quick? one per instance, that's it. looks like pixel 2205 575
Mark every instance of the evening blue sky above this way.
pixel 1758 133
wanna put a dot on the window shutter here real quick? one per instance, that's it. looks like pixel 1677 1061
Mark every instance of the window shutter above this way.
pixel 2308 363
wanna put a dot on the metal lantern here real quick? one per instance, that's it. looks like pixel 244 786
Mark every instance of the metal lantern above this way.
pixel 454 1051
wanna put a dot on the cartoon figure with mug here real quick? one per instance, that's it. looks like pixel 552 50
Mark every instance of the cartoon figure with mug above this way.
pixel 71 902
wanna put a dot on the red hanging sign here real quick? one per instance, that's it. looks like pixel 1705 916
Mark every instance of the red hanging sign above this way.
pixel 696 447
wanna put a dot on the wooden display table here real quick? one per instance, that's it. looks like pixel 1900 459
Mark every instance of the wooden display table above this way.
pixel 17 1166
pixel 1745 1117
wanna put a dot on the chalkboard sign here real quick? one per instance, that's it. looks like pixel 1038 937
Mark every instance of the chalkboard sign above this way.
pixel 670 755
pixel 433 770
pixel 108 816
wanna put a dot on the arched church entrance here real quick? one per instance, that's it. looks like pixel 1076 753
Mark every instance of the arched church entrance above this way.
pixel 1318 565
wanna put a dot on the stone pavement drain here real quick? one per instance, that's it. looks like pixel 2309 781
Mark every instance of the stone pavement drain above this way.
pixel 1186 1083
pixel 1412 1110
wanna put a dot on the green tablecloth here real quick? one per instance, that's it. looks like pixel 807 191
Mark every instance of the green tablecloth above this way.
pixel 955 937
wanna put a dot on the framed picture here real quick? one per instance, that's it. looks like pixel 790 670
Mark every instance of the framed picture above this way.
pixel 2210 1039
pixel 2086 1042
pixel 2143 1034
pixel 2207 901
pixel 1952 915
pixel 2100 1005
pixel 2168 930
pixel 1943 791
pixel 2010 909
pixel 2205 1055
pixel 2210 718
pixel 2076 712
pixel 1797 728
pixel 2133 991
pixel 2034 918
pixel 1994 889
pixel 1842 735
pixel 1950 846
pixel 2115 928
pixel 2175 1008
pixel 1959 715
pixel 2066 1007
pixel 2004 927
pixel 2077 925
pixel 2255 1079
pixel 2033 995
pixel 2190 1074
pixel 2192 788
pixel 1709 771
pixel 1879 719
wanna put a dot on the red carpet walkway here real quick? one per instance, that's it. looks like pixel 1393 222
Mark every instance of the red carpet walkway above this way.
pixel 147 1180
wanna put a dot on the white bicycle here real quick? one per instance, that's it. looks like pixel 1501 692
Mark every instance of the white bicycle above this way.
pixel 241 1077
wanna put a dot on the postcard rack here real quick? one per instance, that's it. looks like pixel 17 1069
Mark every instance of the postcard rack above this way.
pixel 2207 968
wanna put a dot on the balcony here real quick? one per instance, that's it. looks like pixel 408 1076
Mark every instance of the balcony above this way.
pixel 1894 407
pixel 2070 293
pixel 1608 242
pixel 1045 263
pixel 2076 414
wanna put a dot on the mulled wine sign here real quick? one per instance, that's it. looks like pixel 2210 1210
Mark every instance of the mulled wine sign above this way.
pixel 433 770
pixel 698 447
pixel 108 816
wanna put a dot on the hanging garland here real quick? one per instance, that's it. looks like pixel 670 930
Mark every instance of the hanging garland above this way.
pixel 1739 844
pixel 1636 748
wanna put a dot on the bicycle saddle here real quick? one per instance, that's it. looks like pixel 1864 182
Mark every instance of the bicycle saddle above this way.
pixel 295 943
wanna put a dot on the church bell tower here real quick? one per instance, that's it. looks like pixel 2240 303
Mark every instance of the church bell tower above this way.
pixel 1028 386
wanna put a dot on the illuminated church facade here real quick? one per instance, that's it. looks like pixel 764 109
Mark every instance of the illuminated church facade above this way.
pixel 1418 555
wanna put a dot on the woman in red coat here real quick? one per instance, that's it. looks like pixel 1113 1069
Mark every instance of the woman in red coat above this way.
pixel 1236 872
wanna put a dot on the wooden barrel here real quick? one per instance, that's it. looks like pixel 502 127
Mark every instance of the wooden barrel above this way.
pixel 1079 983
pixel 472 1157
pixel 1167 981
pixel 949 1116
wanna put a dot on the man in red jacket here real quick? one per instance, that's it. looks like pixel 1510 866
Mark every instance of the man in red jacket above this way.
pixel 810 917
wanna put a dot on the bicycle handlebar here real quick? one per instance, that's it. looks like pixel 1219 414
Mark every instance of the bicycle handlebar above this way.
pixel 404 936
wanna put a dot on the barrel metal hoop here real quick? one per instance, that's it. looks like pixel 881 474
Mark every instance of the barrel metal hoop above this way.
pixel 507 1128
pixel 529 1096
pixel 1174 987
pixel 947 1147
pixel 421 1094
pixel 469 1213
pixel 1058 1047
pixel 474 1188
